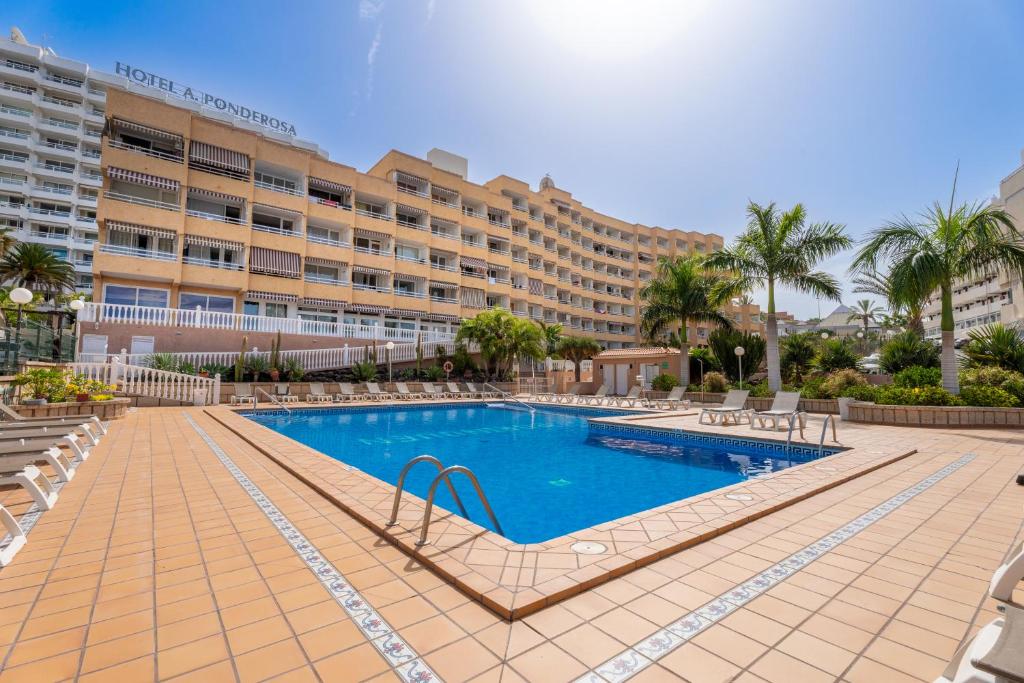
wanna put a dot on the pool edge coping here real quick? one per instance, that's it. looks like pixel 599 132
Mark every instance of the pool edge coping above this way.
pixel 515 602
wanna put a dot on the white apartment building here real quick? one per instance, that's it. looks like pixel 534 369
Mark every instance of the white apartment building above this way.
pixel 51 125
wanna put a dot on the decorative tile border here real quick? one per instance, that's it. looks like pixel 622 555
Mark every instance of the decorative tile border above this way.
pixel 679 435
pixel 403 659
pixel 391 407
pixel 646 652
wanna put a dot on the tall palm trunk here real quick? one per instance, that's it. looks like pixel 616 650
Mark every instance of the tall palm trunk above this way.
pixel 950 381
pixel 684 363
pixel 772 331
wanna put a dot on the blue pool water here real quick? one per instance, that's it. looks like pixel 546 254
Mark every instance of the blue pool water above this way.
pixel 545 473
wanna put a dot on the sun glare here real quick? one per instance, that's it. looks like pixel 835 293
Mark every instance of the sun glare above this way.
pixel 614 28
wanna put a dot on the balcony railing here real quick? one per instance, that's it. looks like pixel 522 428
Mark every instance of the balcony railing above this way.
pixel 410 224
pixel 54 190
pixel 59 213
pixel 155 153
pixel 372 252
pixel 210 263
pixel 15 111
pixel 60 124
pixel 324 279
pixel 195 213
pixel 277 188
pixel 275 230
pixel 373 214
pixel 56 169
pixel 410 259
pixel 370 288
pixel 121 250
pixel 408 293
pixel 443 299
pixel 327 240
pixel 63 80
pixel 16 158
pixel 330 203
pixel 415 193
pixel 59 102
pixel 141 201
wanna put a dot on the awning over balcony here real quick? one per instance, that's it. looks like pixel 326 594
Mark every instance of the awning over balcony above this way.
pixel 274 262
pixel 330 263
pixel 371 234
pixel 328 186
pixel 367 308
pixel 444 192
pixel 443 285
pixel 219 196
pixel 405 208
pixel 271 296
pixel 470 262
pixel 218 157
pixel 203 241
pixel 413 278
pixel 271 207
pixel 442 317
pixel 559 202
pixel 367 270
pixel 136 229
pixel 122 124
pixel 409 178
pixel 498 267
pixel 407 312
pixel 137 178
pixel 324 303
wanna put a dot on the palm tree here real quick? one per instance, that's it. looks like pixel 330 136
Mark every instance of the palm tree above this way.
pixel 502 337
pixel 7 241
pixel 35 267
pixel 931 252
pixel 908 302
pixel 683 291
pixel 551 334
pixel 782 249
pixel 578 349
pixel 866 312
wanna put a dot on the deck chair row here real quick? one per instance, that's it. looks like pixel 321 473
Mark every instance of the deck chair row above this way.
pixel 633 399
pixel 26 443
pixel 373 392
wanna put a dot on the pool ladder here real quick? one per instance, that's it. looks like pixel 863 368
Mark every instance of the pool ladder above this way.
pixel 444 474
pixel 799 418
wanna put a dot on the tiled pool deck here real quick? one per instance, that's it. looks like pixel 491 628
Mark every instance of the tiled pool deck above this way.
pixel 181 551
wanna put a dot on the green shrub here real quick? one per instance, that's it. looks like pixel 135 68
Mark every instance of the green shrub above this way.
pixel 716 382
pixel 835 354
pixel 434 373
pixel 364 372
pixel 162 361
pixel 664 382
pixel 293 369
pixel 1007 380
pixel 761 390
pixel 723 343
pixel 258 365
pixel 917 376
pixel 834 385
pixel 186 368
pixel 991 397
pixel 812 388
pixel 905 350
pixel 860 392
pixel 796 353
pixel 918 396
pixel 705 356
pixel 995 345
pixel 214 369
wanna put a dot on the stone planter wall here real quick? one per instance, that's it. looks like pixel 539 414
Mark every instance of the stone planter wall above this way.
pixel 936 416
pixel 105 410
pixel 810 405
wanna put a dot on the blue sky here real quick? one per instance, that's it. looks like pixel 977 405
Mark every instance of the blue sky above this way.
pixel 665 113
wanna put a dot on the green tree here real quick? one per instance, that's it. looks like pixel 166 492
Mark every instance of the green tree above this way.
pixel 503 338
pixel 865 312
pixel 34 267
pixel 551 333
pixel 578 349
pixel 934 250
pixel 906 304
pixel 994 346
pixel 723 343
pixel 797 352
pixel 781 248
pixel 683 290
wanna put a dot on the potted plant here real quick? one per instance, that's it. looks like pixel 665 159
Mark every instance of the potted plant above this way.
pixel 275 358
pixel 43 385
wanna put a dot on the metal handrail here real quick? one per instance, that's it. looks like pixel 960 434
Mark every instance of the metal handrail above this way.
pixel 821 443
pixel 445 474
pixel 273 399
pixel 799 416
pixel 393 520
pixel 509 396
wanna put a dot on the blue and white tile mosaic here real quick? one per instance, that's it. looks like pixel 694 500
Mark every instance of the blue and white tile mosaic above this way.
pixel 403 659
pixel 643 654
pixel 680 436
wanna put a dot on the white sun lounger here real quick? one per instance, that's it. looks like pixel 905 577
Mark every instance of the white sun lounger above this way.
pixel 16 456
pixel 996 653
pixel 347 393
pixel 283 393
pixel 630 399
pixel 571 396
pixel 434 392
pixel 598 398
pixel 732 407
pixel 317 394
pixel 70 440
pixel 784 406
pixel 31 478
pixel 73 419
pixel 456 392
pixel 17 536
pixel 376 394
pixel 243 394
pixel 36 431
pixel 673 400
pixel 483 393
pixel 403 392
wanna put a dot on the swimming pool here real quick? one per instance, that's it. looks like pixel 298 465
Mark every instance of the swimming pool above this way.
pixel 546 473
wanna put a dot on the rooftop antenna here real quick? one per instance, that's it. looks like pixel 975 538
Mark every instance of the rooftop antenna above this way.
pixel 17 36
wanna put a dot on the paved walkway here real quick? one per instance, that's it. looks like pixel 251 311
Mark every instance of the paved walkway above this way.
pixel 180 552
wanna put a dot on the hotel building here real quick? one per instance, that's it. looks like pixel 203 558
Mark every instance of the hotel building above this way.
pixel 198 211
pixel 52 112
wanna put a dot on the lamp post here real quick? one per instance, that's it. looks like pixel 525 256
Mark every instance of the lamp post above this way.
pixel 739 351
pixel 860 339
pixel 701 361
pixel 75 305
pixel 824 336
pixel 20 296
pixel 390 347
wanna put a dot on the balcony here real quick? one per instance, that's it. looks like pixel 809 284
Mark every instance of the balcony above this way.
pixel 376 215
pixel 150 152
pixel 207 216
pixel 327 241
pixel 120 250
pixel 273 187
pixel 257 227
pixel 141 201
pixel 209 263
pixel 324 279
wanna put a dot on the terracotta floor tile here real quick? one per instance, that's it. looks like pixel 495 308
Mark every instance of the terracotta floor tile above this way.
pixel 547 662
pixel 270 660
pixel 185 631
pixel 58 668
pixel 778 667
pixel 589 644
pixel 624 626
pixel 358 663
pixel 730 645
pixel 141 669
pixel 114 652
pixel 553 621
pixel 25 651
pixel 332 638
pixel 461 660
pixel 817 652
pixel 258 635
pixel 194 655
pixel 697 664
pixel 221 672
pixel 902 658
pixel 426 636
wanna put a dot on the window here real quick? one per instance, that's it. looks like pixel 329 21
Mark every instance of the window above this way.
pixel 372 246
pixel 408 253
pixel 321 273
pixel 251 308
pixel 135 296
pixel 274 222
pixel 275 310
pixel 216 304
pixel 215 255
pixel 273 182
pixel 367 280
pixel 315 234
pixel 439 261
pixel 317 316
pixel 405 287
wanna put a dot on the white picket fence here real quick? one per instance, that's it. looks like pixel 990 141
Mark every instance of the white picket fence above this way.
pixel 135 380
pixel 311 360
pixel 212 320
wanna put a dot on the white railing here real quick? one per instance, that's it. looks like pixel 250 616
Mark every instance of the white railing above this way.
pixel 178 317
pixel 138 380
pixel 311 360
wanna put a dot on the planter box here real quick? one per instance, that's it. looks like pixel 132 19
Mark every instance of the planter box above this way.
pixel 936 416
pixel 105 410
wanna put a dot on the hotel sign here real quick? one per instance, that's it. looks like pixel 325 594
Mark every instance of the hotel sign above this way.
pixel 205 99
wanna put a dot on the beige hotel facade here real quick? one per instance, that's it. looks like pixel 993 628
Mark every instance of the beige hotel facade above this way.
pixel 200 211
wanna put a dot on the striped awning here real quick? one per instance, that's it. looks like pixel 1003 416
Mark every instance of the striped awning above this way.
pixel 371 234
pixel 408 312
pixel 367 270
pixel 366 308
pixel 328 186
pixel 218 157
pixel 494 209
pixel 414 278
pixel 470 262
pixel 330 263
pixel 323 303
pixel 276 208
pixel 444 191
pixel 443 285
pixel 136 229
pixel 408 177
pixel 204 241
pixel 536 287
pixel 496 266
pixel 137 178
pixel 559 202
pixel 271 296
pixel 405 208
pixel 274 262
pixel 211 194
pixel 442 223
pixel 122 124
pixel 442 317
